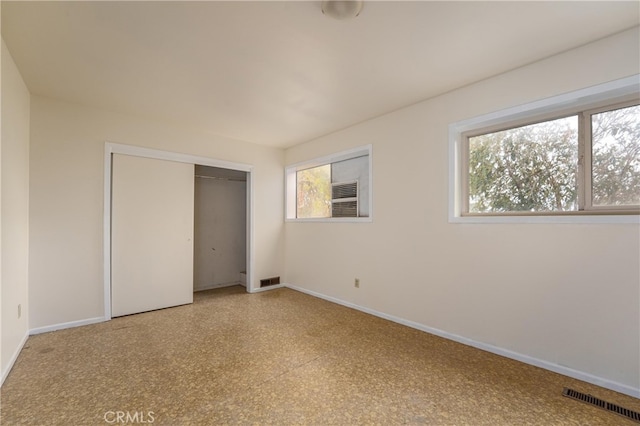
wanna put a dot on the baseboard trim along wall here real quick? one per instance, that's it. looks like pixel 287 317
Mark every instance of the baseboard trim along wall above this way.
pixel 64 325
pixel 14 357
pixel 566 371
pixel 96 320
pixel 214 286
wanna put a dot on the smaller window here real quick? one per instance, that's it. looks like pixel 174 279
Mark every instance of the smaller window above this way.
pixel 313 192
pixel 337 187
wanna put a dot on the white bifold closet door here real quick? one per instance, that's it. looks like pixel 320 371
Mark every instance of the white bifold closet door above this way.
pixel 152 213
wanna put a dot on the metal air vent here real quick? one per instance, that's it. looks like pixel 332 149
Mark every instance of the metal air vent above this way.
pixel 344 199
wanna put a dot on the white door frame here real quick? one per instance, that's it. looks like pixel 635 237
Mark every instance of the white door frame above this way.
pixel 115 148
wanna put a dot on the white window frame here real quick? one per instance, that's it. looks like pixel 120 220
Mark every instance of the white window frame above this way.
pixel 602 97
pixel 290 184
pixel 587 202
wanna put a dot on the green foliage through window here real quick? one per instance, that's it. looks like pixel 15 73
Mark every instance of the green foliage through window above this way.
pixel 535 168
pixel 531 168
pixel 616 157
pixel 313 192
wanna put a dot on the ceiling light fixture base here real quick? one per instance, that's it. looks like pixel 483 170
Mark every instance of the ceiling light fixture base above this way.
pixel 341 10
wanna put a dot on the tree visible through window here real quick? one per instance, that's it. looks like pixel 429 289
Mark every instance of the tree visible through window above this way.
pixel 313 192
pixel 536 167
pixel 616 157
pixel 334 188
pixel 531 168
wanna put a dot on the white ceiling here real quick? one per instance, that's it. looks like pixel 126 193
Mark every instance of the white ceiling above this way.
pixel 282 73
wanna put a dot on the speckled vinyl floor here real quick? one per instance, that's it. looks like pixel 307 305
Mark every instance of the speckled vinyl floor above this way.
pixel 279 357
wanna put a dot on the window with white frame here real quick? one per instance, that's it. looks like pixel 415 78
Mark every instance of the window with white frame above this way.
pixel 336 187
pixel 581 159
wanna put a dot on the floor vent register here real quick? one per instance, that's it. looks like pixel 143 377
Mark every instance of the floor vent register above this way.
pixel 592 400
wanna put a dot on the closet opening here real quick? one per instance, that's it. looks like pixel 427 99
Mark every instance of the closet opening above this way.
pixel 220 228
pixel 168 233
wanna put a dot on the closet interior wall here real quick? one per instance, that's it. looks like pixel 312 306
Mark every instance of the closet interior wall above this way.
pixel 220 239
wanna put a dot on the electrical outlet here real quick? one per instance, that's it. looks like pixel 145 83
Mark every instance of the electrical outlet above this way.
pixel 357 283
pixel 19 311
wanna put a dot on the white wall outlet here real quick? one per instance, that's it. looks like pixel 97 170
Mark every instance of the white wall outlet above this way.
pixel 19 310
pixel 357 283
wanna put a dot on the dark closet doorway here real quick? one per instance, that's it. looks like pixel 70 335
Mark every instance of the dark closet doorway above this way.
pixel 220 225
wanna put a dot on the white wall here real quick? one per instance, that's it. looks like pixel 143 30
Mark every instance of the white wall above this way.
pixel 66 194
pixel 220 232
pixel 15 211
pixel 566 295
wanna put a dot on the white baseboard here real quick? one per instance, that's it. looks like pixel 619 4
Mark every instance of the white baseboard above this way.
pixel 13 359
pixel 64 325
pixel 576 374
pixel 213 286
pixel 566 371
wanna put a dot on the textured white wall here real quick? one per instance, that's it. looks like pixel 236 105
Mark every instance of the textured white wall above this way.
pixel 561 293
pixel 15 210
pixel 66 245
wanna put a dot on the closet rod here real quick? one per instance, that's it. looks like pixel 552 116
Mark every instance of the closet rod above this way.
pixel 220 178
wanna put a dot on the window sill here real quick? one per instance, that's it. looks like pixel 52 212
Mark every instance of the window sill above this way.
pixel 571 218
pixel 333 220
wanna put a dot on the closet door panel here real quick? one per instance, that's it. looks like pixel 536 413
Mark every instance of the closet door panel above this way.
pixel 152 234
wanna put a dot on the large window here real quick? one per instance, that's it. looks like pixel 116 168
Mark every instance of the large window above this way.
pixel 337 187
pixel 540 167
pixel 576 160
